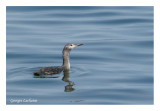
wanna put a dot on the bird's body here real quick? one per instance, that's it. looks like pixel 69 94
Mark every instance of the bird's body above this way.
pixel 50 70
pixel 66 62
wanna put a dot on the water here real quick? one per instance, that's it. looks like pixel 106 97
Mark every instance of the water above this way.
pixel 114 66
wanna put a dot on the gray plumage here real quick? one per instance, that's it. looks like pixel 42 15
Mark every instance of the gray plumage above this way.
pixel 66 61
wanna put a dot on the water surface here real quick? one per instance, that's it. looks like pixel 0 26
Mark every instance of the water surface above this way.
pixel 114 66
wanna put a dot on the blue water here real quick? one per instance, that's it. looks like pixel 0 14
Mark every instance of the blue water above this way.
pixel 114 66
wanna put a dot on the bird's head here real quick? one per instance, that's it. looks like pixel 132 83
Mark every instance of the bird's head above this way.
pixel 71 46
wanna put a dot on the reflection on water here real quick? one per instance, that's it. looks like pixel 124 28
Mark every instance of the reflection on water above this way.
pixel 66 74
pixel 69 87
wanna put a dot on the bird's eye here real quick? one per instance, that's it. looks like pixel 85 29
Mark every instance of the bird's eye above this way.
pixel 71 45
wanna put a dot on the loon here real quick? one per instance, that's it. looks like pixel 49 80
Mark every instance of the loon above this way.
pixel 66 62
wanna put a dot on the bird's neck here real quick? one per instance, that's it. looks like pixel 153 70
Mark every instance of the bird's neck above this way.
pixel 66 61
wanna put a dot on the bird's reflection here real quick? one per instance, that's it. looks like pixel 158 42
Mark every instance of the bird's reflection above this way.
pixel 66 75
pixel 69 87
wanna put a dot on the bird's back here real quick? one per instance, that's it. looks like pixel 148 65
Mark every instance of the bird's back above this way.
pixel 50 70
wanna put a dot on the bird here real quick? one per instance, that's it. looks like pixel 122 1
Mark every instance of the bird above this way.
pixel 66 62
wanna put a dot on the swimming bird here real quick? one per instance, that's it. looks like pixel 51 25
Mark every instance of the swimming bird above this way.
pixel 66 61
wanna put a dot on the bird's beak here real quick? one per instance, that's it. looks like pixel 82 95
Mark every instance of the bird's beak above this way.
pixel 79 44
